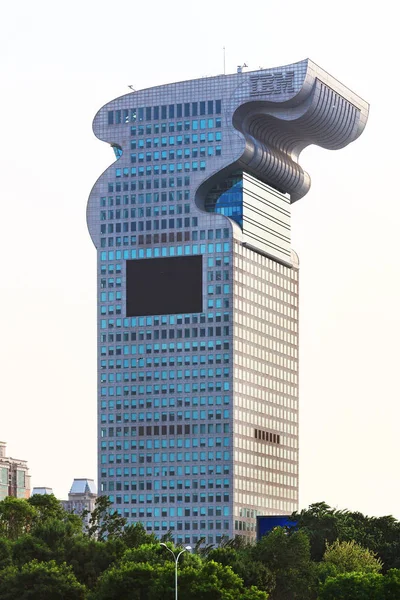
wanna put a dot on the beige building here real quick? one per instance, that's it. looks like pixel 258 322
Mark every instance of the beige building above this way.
pixel 82 496
pixel 14 476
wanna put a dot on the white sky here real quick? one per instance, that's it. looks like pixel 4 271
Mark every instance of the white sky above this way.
pixel 59 63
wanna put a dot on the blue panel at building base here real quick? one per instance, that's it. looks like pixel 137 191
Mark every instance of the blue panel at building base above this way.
pixel 265 524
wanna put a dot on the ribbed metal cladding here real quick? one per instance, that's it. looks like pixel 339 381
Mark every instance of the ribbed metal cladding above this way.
pixel 275 135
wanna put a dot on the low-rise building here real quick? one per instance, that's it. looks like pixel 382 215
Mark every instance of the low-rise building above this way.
pixel 42 491
pixel 82 497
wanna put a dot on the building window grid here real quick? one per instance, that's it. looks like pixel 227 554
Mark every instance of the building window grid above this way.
pixel 252 320
pixel 164 112
pixel 108 305
pixel 243 497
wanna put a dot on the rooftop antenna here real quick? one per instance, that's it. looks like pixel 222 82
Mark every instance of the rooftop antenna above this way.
pixel 132 88
pixel 241 67
pixel 224 59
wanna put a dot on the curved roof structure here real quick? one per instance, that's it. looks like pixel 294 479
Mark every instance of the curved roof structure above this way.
pixel 269 115
pixel 285 109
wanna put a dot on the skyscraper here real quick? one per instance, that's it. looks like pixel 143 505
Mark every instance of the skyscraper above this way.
pixel 198 294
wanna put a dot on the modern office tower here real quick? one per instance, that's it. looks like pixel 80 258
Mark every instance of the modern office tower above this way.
pixel 14 476
pixel 198 294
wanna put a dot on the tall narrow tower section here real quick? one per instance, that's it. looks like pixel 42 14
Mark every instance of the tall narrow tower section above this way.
pixel 198 294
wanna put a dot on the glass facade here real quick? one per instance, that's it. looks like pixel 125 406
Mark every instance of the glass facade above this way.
pixel 4 484
pixel 197 410
pixel 226 198
pixel 20 481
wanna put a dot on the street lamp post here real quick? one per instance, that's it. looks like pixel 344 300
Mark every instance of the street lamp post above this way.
pixel 176 558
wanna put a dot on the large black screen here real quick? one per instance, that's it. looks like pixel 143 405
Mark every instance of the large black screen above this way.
pixel 164 286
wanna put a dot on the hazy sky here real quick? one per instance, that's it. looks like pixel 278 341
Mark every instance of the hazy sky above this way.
pixel 59 63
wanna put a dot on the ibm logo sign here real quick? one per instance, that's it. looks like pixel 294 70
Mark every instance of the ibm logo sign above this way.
pixel 272 83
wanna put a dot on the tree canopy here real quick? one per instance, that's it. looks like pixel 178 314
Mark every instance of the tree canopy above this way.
pixel 37 580
pixel 346 557
pixel 324 524
pixel 47 553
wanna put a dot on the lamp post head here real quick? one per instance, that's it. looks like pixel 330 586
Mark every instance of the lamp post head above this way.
pixel 188 548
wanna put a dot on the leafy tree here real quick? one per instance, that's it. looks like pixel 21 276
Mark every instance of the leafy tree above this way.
pixel 253 572
pixel 5 552
pixel 28 548
pixel 127 581
pixel 39 580
pixel 167 537
pixel 325 525
pixel 90 558
pixel 239 542
pixel 252 593
pixel 198 580
pixel 349 556
pixel 105 523
pixel 135 535
pixel 113 560
pixel 201 548
pixel 55 533
pixel 321 524
pixel 370 532
pixel 16 517
pixel 391 584
pixel 214 581
pixel 225 555
pixel 59 541
pixel 353 586
pixel 380 534
pixel 287 556
pixel 155 554
pixel 47 506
